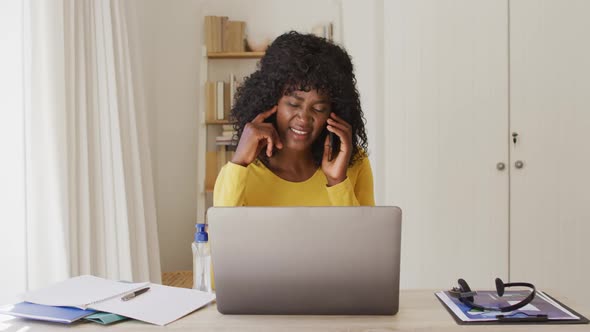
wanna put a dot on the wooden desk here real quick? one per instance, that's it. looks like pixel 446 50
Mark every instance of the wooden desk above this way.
pixel 419 311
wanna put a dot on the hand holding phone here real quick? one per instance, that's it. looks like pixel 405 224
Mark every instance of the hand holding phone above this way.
pixel 337 149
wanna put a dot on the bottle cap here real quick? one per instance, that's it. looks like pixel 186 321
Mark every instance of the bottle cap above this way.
pixel 201 235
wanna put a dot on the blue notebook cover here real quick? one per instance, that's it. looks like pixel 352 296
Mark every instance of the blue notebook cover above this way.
pixel 28 310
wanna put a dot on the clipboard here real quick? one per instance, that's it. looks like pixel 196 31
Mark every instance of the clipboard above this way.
pixel 520 320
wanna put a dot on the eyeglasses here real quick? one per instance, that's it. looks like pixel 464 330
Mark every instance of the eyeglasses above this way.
pixel 464 293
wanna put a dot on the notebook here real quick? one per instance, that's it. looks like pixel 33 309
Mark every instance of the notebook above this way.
pixel 160 305
pixel 65 315
pixel 82 292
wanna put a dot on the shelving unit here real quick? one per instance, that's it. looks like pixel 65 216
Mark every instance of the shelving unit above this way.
pixel 235 55
pixel 215 66
pixel 217 122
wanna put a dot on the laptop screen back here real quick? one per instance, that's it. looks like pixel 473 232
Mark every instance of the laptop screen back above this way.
pixel 306 260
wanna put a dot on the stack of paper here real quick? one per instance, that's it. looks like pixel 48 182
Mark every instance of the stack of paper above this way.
pixel 159 305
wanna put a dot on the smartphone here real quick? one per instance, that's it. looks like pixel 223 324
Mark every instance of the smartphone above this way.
pixel 334 145
pixel 272 119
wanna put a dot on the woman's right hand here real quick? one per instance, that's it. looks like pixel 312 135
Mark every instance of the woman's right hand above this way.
pixel 257 134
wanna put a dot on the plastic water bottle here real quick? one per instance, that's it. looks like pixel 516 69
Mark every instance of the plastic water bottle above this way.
pixel 201 260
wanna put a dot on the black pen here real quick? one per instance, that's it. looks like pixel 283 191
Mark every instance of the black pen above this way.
pixel 134 294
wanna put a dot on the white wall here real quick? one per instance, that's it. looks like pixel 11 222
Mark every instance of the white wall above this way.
pixel 170 41
pixel 362 36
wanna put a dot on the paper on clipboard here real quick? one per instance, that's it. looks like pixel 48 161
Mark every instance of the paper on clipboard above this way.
pixel 540 304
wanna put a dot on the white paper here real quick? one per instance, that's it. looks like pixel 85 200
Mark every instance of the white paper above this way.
pixel 453 307
pixel 560 314
pixel 81 291
pixel 528 307
pixel 160 305
pixel 557 305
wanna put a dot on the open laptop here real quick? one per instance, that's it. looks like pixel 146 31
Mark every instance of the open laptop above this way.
pixel 306 260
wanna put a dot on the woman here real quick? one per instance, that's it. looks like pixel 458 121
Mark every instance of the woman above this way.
pixel 301 131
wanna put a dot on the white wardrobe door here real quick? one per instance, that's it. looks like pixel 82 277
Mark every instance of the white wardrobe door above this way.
pixel 446 120
pixel 550 111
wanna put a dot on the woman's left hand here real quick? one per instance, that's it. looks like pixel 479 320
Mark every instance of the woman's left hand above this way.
pixel 335 169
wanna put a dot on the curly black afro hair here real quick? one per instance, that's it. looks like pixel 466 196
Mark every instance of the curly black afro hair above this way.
pixel 303 62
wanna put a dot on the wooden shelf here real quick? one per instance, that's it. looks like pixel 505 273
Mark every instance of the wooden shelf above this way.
pixel 219 122
pixel 235 55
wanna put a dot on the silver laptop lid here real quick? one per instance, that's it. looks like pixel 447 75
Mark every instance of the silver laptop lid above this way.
pixel 306 260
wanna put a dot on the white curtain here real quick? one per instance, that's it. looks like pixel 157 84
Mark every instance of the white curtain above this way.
pixel 89 191
pixel 12 147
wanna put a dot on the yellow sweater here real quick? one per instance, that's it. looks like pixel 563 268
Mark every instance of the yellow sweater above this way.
pixel 256 185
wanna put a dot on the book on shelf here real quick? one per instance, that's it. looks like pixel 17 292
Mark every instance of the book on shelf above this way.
pixel 210 100
pixel 233 36
pixel 213 30
pixel 221 157
pixel 224 141
pixel 219 99
pixel 227 136
pixel 324 30
pixel 223 35
pixel 233 86
pixel 219 104
pixel 226 100
pixel 215 160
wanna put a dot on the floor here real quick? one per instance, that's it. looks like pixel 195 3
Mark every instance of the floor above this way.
pixel 178 279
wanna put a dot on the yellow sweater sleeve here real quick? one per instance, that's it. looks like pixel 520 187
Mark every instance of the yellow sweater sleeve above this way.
pixel 230 186
pixel 345 194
